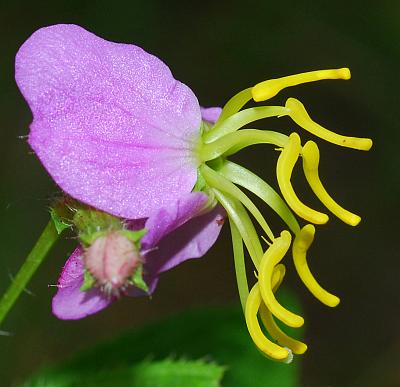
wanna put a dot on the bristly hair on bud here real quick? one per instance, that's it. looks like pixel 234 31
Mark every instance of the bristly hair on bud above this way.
pixel 112 259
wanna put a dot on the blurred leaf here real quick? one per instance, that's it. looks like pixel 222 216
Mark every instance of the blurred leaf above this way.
pixel 217 335
pixel 166 373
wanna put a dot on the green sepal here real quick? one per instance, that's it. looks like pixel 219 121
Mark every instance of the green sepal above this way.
pixel 134 236
pixel 137 279
pixel 60 223
pixel 88 281
pixel 92 224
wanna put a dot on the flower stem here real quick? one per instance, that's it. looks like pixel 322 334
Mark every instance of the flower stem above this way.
pixel 34 259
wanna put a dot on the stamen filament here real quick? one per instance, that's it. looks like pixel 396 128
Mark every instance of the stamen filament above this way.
pixel 234 104
pixel 271 258
pixel 247 179
pixel 240 267
pixel 300 116
pixel 269 348
pixel 242 221
pixel 273 329
pixel 301 244
pixel 214 179
pixel 310 155
pixel 242 118
pixel 234 142
pixel 268 89
pixel 284 168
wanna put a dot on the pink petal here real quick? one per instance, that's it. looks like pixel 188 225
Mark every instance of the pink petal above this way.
pixel 111 125
pixel 210 114
pixel 70 303
pixel 176 234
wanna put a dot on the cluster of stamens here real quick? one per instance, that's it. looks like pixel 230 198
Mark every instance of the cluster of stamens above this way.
pixel 223 179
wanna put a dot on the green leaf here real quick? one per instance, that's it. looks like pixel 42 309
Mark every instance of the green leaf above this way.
pixel 165 373
pixel 218 334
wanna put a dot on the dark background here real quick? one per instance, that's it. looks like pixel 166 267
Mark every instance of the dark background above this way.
pixel 219 48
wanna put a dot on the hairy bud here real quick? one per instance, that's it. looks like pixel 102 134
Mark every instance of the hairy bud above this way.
pixel 111 259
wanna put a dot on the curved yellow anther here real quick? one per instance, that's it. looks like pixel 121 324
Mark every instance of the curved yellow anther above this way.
pixel 301 244
pixel 268 89
pixel 270 259
pixel 300 116
pixel 266 346
pixel 284 168
pixel 266 316
pixel 310 155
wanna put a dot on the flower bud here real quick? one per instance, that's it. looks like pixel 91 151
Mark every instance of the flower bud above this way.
pixel 111 259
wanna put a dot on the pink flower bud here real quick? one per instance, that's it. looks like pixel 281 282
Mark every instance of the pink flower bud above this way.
pixel 112 259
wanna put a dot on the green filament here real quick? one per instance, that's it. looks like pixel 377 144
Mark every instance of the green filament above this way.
pixel 234 142
pixel 235 104
pixel 241 219
pixel 244 117
pixel 240 267
pixel 247 179
pixel 217 181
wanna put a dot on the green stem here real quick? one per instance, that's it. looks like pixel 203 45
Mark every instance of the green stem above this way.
pixel 34 259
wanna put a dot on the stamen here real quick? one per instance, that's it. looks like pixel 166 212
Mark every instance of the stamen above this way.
pixel 234 142
pixel 242 221
pixel 271 258
pixel 247 179
pixel 240 268
pixel 214 179
pixel 268 89
pixel 300 116
pixel 235 104
pixel 301 244
pixel 284 168
pixel 273 329
pixel 269 348
pixel 242 118
pixel 310 155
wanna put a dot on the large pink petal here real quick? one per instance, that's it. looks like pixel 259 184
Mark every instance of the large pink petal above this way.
pixel 70 303
pixel 111 124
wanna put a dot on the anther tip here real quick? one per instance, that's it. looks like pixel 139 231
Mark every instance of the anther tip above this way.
pixel 332 301
pixel 367 144
pixel 345 73
pixel 353 220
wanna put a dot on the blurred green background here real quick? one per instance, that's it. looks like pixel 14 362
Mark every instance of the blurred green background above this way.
pixel 219 48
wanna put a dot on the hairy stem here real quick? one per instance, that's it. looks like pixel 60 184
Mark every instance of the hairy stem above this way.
pixel 34 259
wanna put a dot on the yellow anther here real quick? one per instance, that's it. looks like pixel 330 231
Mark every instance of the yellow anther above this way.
pixel 300 116
pixel 268 89
pixel 271 258
pixel 266 316
pixel 286 162
pixel 301 244
pixel 310 155
pixel 267 347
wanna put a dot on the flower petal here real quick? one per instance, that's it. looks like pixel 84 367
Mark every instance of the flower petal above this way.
pixel 70 303
pixel 111 125
pixel 167 219
pixel 184 236
pixel 210 114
